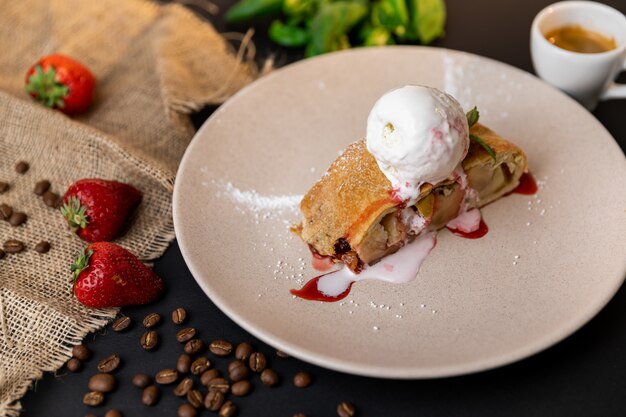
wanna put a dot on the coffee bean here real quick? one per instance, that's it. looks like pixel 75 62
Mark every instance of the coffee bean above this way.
pixel 42 247
pixel 179 315
pixel 149 340
pixel 150 395
pixel 243 351
pixel 121 324
pixel 101 383
pixel 186 334
pixel 183 364
pixel 142 380
pixel 207 376
pixel 282 354
pixel 187 410
pixel 51 199
pixel 21 167
pixel 257 362
pixel 41 187
pixel 269 377
pixel 113 413
pixel 109 364
pixel 218 384
pixel 241 388
pixel 13 246
pixel 183 387
pixel 200 365
pixel 151 320
pixel 299 415
pixel 17 218
pixel 302 379
pixel 237 371
pixel 166 376
pixel 214 400
pixel 195 398
pixel 81 352
pixel 93 398
pixel 193 346
pixel 233 364
pixel 4 187
pixel 221 347
pixel 5 211
pixel 346 410
pixel 228 409
pixel 74 365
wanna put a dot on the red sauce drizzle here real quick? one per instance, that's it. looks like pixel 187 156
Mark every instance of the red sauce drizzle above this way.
pixel 527 185
pixel 310 292
pixel 478 233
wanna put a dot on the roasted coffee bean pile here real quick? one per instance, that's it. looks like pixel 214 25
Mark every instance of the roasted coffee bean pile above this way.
pixel 192 376
pixel 17 218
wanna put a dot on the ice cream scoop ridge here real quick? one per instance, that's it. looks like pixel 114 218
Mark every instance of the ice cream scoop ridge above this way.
pixel 417 135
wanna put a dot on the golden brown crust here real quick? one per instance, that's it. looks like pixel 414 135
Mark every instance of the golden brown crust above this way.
pixel 354 194
pixel 350 195
pixel 476 155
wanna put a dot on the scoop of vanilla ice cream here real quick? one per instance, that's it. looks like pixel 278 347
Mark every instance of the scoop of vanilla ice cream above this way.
pixel 417 134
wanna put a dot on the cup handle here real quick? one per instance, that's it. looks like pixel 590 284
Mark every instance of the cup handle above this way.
pixel 615 90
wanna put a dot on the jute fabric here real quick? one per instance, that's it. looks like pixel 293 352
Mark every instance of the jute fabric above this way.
pixel 154 65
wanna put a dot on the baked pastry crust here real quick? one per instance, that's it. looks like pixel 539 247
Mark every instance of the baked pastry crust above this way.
pixel 352 208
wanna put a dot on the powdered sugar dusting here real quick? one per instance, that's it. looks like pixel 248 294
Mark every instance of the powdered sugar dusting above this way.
pixel 256 202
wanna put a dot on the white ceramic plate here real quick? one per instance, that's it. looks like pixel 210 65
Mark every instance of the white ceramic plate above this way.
pixel 549 263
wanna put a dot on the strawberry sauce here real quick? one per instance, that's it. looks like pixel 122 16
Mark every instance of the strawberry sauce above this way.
pixel 311 292
pixel 527 185
pixel 478 233
pixel 398 267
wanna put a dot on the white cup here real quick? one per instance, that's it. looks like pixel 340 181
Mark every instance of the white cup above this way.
pixel 587 77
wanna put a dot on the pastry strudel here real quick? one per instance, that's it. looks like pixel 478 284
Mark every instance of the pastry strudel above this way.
pixel 353 215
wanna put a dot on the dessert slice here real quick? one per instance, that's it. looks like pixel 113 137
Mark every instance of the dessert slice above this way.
pixel 355 215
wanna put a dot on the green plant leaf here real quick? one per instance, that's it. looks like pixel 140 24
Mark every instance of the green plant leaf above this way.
pixel 288 35
pixel 428 19
pixel 472 116
pixel 331 24
pixel 301 9
pixel 392 15
pixel 248 9
pixel 378 36
pixel 484 145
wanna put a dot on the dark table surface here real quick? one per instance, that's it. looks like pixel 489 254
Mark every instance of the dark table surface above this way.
pixel 583 375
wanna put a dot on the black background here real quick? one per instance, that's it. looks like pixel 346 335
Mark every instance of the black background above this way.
pixel 582 376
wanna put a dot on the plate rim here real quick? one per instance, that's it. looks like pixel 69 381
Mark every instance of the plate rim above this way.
pixel 357 368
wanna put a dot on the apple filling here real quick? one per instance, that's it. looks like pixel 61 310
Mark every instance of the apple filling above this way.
pixel 398 225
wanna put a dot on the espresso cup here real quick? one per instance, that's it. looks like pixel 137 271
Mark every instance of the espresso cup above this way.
pixel 587 77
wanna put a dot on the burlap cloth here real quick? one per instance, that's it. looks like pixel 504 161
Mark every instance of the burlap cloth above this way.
pixel 154 64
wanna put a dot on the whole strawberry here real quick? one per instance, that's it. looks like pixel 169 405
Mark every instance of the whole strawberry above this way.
pixel 61 82
pixel 107 275
pixel 98 210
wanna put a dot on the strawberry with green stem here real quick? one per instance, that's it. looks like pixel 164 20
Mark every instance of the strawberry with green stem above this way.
pixel 107 275
pixel 98 210
pixel 60 82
